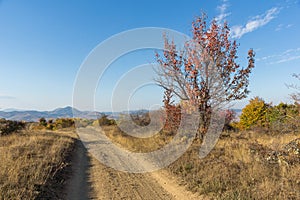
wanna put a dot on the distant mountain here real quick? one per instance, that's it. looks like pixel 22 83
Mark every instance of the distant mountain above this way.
pixel 32 115
pixel 67 112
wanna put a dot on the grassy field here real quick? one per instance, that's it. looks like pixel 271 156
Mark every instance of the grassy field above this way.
pixel 244 165
pixel 33 164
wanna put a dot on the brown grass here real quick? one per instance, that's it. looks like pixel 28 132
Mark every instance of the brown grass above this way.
pixel 30 161
pixel 135 144
pixel 239 167
pixel 236 170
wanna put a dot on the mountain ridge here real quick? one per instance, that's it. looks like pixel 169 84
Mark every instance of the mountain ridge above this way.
pixel 65 112
pixel 33 115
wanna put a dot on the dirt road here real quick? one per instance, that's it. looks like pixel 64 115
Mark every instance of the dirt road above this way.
pixel 93 180
pixel 78 186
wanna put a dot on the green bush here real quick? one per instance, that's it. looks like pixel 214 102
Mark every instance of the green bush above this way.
pixel 283 117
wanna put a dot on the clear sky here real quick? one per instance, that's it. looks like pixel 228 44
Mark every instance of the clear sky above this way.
pixel 43 44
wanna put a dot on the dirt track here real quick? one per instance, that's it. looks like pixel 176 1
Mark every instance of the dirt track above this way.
pixel 93 180
pixel 78 187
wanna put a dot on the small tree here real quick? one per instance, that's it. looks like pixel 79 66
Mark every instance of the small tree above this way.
pixel 254 114
pixel 205 72
pixel 295 95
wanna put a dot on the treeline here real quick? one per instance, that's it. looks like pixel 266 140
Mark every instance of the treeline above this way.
pixel 263 116
pixel 258 115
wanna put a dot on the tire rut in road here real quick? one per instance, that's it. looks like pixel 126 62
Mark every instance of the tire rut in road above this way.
pixel 111 184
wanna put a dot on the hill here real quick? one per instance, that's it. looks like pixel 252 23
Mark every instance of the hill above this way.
pixel 32 115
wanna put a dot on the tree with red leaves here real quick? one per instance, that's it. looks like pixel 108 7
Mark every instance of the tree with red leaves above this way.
pixel 204 73
pixel 173 116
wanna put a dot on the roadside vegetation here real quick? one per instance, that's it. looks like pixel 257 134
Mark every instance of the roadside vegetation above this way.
pixel 34 162
pixel 257 156
pixel 55 124
pixel 252 163
pixel 247 165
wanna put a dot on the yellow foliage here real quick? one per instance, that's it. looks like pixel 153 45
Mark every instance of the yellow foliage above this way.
pixel 254 114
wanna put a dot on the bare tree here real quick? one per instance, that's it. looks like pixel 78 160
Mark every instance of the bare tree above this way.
pixel 296 95
pixel 204 73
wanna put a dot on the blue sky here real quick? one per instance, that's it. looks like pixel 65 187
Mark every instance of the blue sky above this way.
pixel 43 44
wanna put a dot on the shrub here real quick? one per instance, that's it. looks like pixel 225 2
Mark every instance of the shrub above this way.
pixel 7 126
pixel 57 124
pixel 283 117
pixel 43 121
pixel 254 114
pixel 62 123
pixel 104 121
pixel 173 114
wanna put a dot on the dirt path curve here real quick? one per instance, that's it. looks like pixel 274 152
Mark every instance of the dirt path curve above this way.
pixel 111 184
pixel 107 183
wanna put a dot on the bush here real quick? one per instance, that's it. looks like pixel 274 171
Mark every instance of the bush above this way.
pixel 283 118
pixel 43 121
pixel 57 124
pixel 173 114
pixel 104 121
pixel 7 126
pixel 63 123
pixel 254 114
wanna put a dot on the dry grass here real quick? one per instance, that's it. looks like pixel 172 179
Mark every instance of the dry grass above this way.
pixel 30 161
pixel 135 144
pixel 241 166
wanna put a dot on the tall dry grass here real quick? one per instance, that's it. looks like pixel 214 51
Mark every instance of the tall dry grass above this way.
pixel 244 165
pixel 30 161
